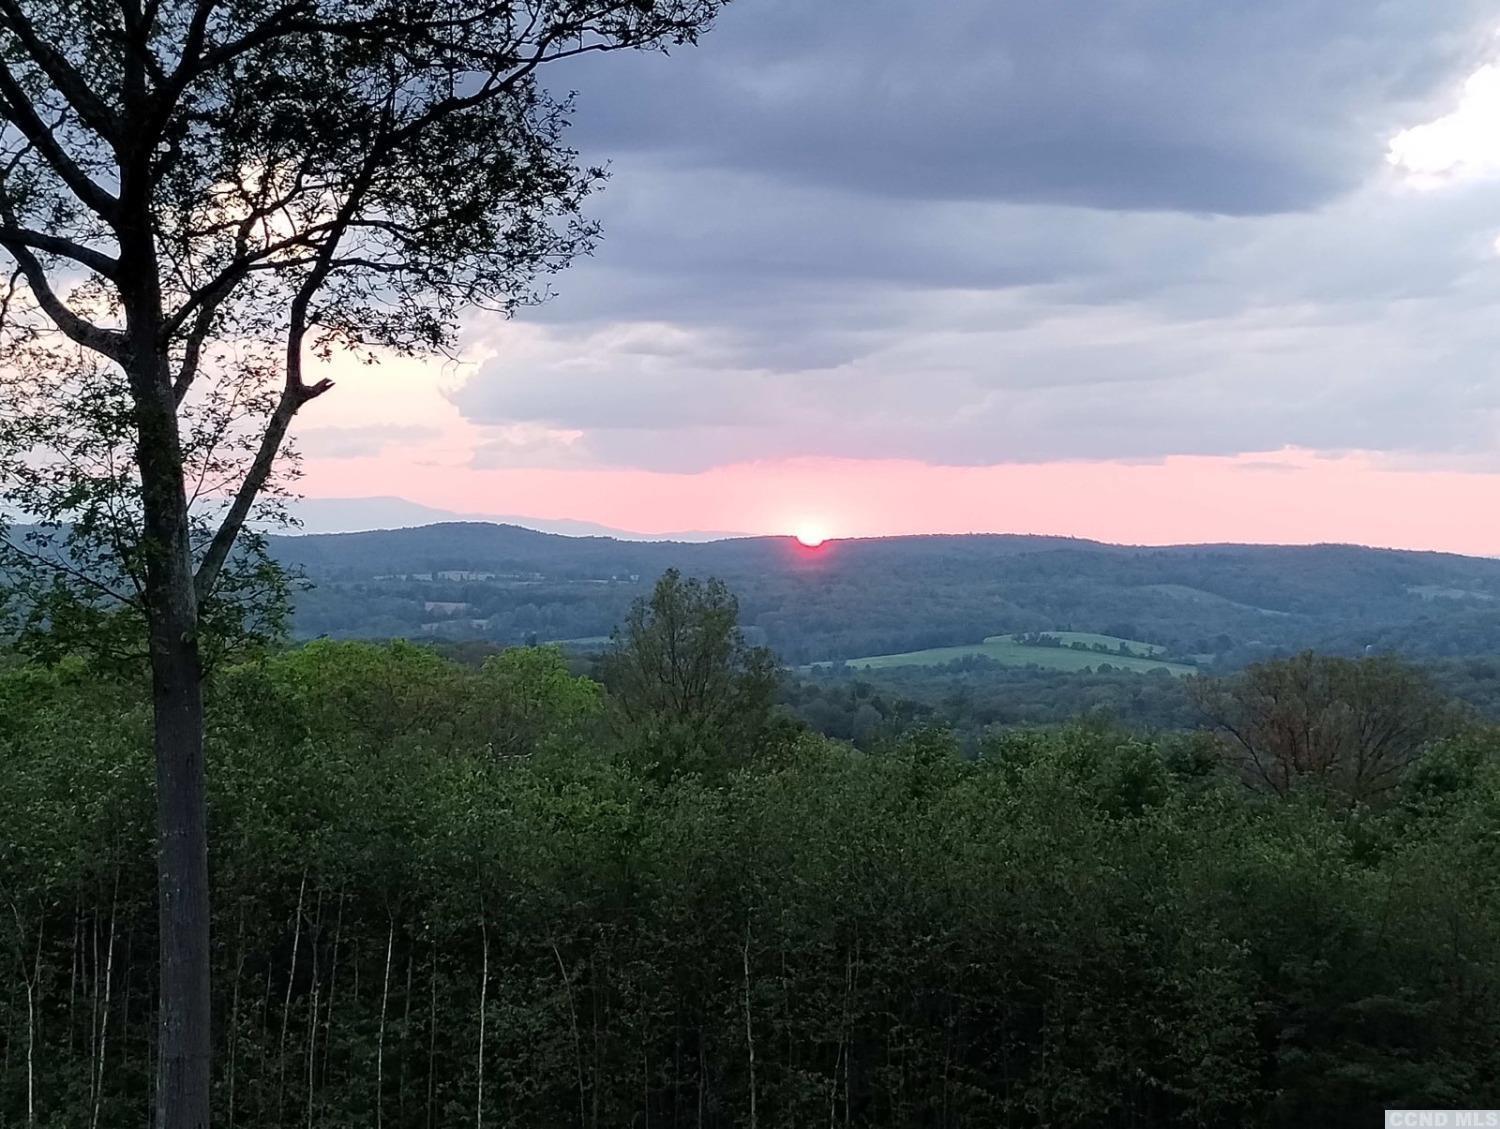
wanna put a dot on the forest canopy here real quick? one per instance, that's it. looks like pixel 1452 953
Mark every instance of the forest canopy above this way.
pixel 450 893
pixel 1208 605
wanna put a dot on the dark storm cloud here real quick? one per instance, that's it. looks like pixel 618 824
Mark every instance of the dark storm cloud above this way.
pixel 1220 106
pixel 967 232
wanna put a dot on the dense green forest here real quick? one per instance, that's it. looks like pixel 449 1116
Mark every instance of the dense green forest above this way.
pixel 504 893
pixel 1222 605
pixel 474 587
pixel 973 695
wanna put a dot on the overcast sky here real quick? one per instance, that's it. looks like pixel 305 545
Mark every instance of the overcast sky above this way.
pixel 1148 270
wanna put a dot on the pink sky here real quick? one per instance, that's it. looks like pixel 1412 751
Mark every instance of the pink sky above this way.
pixel 1286 497
pixel 1381 348
pixel 1413 374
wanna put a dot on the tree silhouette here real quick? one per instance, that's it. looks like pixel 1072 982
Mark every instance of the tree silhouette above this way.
pixel 197 197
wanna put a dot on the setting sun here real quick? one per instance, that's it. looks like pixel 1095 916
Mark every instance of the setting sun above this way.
pixel 810 536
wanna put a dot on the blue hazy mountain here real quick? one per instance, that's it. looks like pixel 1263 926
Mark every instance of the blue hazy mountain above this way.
pixel 355 515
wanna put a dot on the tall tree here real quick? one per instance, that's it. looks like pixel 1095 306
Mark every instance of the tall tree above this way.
pixel 202 193
pixel 684 683
pixel 1347 726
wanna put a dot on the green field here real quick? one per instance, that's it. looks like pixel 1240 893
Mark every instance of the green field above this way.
pixel 1088 639
pixel 1004 650
pixel 581 643
pixel 1438 592
pixel 1199 596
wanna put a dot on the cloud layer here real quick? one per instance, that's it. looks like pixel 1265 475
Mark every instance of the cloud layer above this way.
pixel 975 233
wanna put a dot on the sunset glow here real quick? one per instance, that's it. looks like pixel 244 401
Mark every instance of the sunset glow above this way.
pixel 1304 410
pixel 810 536
pixel 1284 497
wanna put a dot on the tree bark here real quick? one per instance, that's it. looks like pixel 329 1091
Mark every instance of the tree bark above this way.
pixel 573 1021
pixel 171 605
pixel 286 1007
pixel 183 1079
pixel 432 1040
pixel 385 995
pixel 749 1026
pixel 484 990
pixel 182 874
pixel 234 1010
pixel 314 936
pixel 109 970
pixel 30 982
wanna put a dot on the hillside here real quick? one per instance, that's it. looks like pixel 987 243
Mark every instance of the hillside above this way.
pixel 1063 650
pixel 883 596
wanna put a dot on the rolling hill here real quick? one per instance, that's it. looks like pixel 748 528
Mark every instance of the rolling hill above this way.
pixel 1225 604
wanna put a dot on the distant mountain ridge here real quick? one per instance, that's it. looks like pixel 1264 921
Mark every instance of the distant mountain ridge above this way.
pixel 1224 604
pixel 362 515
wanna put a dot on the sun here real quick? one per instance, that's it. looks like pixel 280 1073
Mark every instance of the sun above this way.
pixel 810 536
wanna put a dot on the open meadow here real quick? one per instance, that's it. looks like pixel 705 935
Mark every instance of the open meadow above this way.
pixel 1078 651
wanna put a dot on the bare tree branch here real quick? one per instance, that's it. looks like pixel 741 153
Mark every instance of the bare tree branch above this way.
pixel 295 392
pixel 96 261
pixel 199 59
pixel 255 478
pixel 78 574
pixel 19 111
pixel 107 342
pixel 91 109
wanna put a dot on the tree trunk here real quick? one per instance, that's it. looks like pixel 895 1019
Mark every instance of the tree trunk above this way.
pixel 286 1007
pixel 182 860
pixel 432 1040
pixel 749 1025
pixel 177 706
pixel 234 1010
pixel 577 1042
pixel 31 984
pixel 182 856
pixel 73 968
pixel 411 956
pixel 484 990
pixel 109 970
pixel 314 937
pixel 182 875
pixel 333 982
pixel 385 995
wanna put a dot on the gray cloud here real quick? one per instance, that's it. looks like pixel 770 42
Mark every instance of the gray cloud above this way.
pixel 1094 383
pixel 1019 232
pixel 1182 105
pixel 504 451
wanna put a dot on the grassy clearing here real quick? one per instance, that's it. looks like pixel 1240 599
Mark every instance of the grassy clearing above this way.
pixel 1089 639
pixel 1005 651
pixel 1437 592
pixel 1200 596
